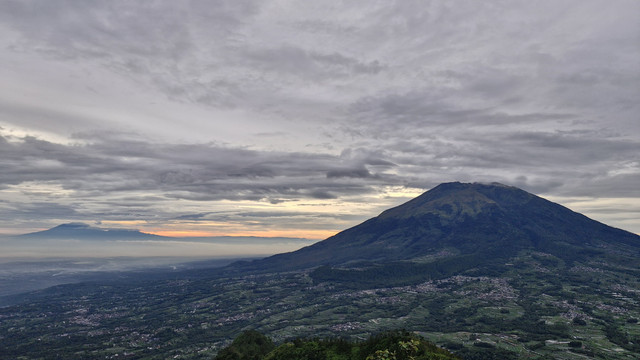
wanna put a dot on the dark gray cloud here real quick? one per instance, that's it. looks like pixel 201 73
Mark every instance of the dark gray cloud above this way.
pixel 187 111
pixel 309 64
pixel 112 165
pixel 40 211
pixel 208 172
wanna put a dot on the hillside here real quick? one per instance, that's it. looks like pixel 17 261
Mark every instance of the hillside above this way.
pixel 486 271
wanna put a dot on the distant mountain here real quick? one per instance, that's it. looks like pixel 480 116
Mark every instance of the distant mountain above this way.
pixel 86 232
pixel 478 222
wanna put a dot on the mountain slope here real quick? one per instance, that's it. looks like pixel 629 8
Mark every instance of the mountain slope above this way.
pixel 487 271
pixel 494 220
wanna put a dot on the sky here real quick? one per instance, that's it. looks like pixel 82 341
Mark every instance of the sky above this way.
pixel 301 119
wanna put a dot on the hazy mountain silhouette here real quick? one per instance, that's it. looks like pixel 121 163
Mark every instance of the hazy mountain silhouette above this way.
pixel 86 232
pixel 488 221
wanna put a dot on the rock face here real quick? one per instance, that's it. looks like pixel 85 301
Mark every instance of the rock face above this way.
pixel 484 220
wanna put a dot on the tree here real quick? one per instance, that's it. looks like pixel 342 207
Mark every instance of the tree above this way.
pixel 250 345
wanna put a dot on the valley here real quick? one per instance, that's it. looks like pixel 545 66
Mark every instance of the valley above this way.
pixel 533 310
pixel 485 271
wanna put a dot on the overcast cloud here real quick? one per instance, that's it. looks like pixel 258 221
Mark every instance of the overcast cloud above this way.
pixel 300 119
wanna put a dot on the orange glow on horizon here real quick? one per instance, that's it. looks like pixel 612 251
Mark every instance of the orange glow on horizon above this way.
pixel 306 234
pixel 180 233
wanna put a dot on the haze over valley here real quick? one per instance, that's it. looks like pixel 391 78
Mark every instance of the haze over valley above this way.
pixel 74 252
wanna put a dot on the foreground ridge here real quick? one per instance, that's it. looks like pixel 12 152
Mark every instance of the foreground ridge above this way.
pixel 252 345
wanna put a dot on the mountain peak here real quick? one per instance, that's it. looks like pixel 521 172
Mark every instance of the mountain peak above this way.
pixel 73 225
pixel 455 199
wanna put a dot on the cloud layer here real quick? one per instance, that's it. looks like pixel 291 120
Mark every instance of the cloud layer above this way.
pixel 282 117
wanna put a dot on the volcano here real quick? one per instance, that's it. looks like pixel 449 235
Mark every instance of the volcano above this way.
pixel 470 220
